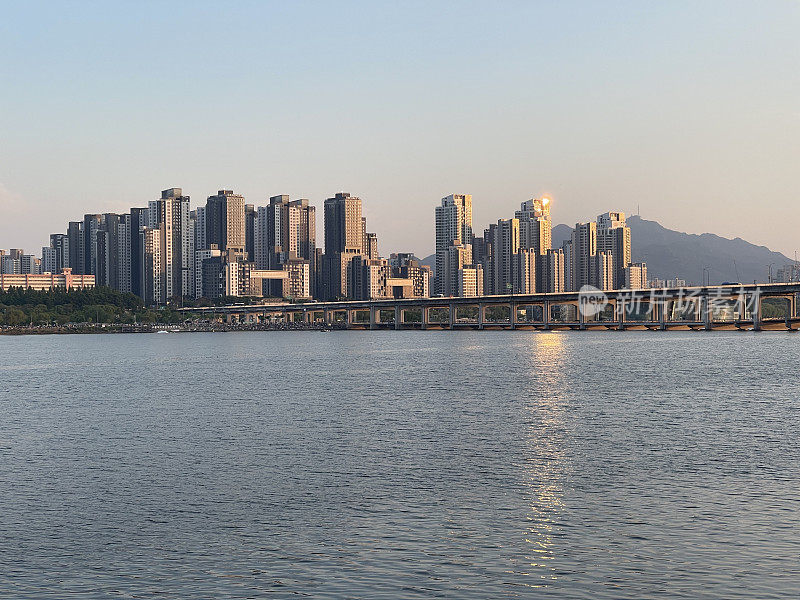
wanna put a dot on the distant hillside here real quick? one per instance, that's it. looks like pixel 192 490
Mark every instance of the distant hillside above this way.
pixel 671 254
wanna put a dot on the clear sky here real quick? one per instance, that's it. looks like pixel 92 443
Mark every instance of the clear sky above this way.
pixel 690 110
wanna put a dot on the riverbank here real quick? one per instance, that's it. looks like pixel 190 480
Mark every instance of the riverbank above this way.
pixel 96 328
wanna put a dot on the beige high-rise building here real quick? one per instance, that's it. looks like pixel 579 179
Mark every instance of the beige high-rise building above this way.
pixel 298 281
pixel 285 231
pixel 614 236
pixel 369 278
pixel 453 230
pixel 452 260
pixel 371 246
pixel 345 239
pixel 525 271
pixel 470 281
pixel 636 276
pixel 552 266
pixel 535 225
pixel 603 271
pixel 152 266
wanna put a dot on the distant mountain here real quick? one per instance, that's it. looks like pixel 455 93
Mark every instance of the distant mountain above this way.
pixel 430 261
pixel 671 254
pixel 560 234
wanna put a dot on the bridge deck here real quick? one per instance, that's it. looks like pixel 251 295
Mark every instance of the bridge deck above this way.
pixel 738 300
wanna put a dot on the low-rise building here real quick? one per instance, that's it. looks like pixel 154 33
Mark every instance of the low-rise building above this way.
pixel 46 281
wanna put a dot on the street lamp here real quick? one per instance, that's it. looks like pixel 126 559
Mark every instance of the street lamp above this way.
pixel 706 270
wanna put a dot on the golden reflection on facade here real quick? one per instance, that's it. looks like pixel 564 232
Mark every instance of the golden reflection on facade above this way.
pixel 546 461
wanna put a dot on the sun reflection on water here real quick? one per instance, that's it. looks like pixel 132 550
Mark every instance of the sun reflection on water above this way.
pixel 546 461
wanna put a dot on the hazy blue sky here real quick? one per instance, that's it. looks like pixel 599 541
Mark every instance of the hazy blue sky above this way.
pixel 691 110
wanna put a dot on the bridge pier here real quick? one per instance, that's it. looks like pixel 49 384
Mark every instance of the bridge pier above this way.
pixel 425 317
pixel 741 306
pixel 662 314
pixel 374 317
pixel 512 315
pixel 621 311
pixel 452 315
pixel 481 315
pixel 756 308
pixel 398 317
pixel 546 315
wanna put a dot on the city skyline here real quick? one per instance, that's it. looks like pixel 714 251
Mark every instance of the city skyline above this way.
pixel 162 251
pixel 420 102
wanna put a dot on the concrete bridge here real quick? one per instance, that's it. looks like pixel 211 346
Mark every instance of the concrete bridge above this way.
pixel 745 307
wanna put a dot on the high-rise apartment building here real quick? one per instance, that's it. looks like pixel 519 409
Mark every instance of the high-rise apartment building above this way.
pixel 29 264
pixel 603 271
pixel 535 225
pixel 10 265
pixel 298 281
pixel 152 266
pixel 453 230
pixel 452 260
pixel 524 271
pixel 636 276
pixel 225 221
pixel 569 282
pixel 199 220
pixel 344 240
pixel 284 231
pixel 201 255
pixel 261 247
pixel 92 223
pixel 48 259
pixel 369 278
pixel 139 219
pixel 249 231
pixel 171 216
pixel 552 269
pixel 124 247
pixel 584 253
pixel 505 249
pixel 371 246
pixel 470 281
pixel 614 237
pixel 56 257
pixel 405 266
pixel 76 239
pixel 487 258
pixel 105 251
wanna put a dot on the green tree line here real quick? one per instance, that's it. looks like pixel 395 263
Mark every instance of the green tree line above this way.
pixel 59 306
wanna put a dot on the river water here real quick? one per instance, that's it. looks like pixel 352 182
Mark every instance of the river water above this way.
pixel 400 465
